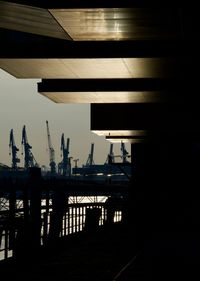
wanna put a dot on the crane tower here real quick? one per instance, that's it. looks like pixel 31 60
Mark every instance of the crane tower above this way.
pixel 124 153
pixel 52 162
pixel 110 157
pixel 13 150
pixel 29 160
pixel 66 161
pixel 90 160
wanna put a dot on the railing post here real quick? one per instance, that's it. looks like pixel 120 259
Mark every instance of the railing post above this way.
pixel 92 218
pixel 59 208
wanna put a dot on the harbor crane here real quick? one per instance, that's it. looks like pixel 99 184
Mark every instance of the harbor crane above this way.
pixel 90 160
pixel 52 162
pixel 29 160
pixel 13 150
pixel 110 158
pixel 124 153
pixel 65 165
pixel 75 165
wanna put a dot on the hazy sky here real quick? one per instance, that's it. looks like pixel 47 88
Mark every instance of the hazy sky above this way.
pixel 21 104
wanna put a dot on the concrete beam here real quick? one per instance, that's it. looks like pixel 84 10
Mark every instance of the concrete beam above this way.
pixel 16 44
pixel 128 121
pixel 141 90
pixel 31 20
pixel 96 4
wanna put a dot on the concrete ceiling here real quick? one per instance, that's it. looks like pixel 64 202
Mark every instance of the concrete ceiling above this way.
pixel 69 28
pixel 118 90
pixel 132 136
pixel 102 97
pixel 92 23
pixel 118 23
pixel 31 20
pixel 90 68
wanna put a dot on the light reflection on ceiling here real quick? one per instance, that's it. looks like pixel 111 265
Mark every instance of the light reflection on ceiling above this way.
pixel 90 68
pixel 92 24
pixel 31 20
pixel 114 133
pixel 116 136
pixel 103 97
pixel 117 23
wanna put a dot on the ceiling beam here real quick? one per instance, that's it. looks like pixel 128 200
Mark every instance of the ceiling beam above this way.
pixel 31 20
pixel 16 44
pixel 121 85
pixel 151 117
pixel 95 4
pixel 135 90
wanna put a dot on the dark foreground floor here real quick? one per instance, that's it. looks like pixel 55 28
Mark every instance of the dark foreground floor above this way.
pixel 91 256
pixel 110 254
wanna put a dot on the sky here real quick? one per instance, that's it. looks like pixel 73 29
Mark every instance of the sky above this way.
pixel 21 104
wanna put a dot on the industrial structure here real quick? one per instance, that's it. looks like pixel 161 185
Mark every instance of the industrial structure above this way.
pixel 90 160
pixel 110 158
pixel 114 169
pixel 13 151
pixel 29 159
pixel 88 171
pixel 98 171
pixel 65 164
pixel 124 153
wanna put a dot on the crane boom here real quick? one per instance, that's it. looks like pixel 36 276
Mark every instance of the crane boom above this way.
pixel 13 150
pixel 29 160
pixel 52 163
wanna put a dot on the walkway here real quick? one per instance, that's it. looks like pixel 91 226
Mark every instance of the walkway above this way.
pixel 110 255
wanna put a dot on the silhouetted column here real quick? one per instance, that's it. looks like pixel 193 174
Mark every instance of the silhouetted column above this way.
pixel 29 227
pixel 92 219
pixel 164 193
pixel 142 194
pixel 12 220
pixel 35 209
pixel 59 208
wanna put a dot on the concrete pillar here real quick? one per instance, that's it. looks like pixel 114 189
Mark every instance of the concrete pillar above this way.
pixel 164 194
pixel 35 208
pixel 29 228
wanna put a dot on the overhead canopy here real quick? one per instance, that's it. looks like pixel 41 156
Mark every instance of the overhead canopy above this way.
pixel 118 23
pixel 30 19
pixel 64 68
pixel 133 63
pixel 92 23
pixel 136 90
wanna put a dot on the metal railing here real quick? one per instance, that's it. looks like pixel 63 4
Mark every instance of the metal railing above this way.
pixel 76 218
pixel 5 252
pixel 36 211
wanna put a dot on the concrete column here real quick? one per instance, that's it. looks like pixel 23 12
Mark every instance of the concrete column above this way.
pixel 164 194
pixel 35 208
